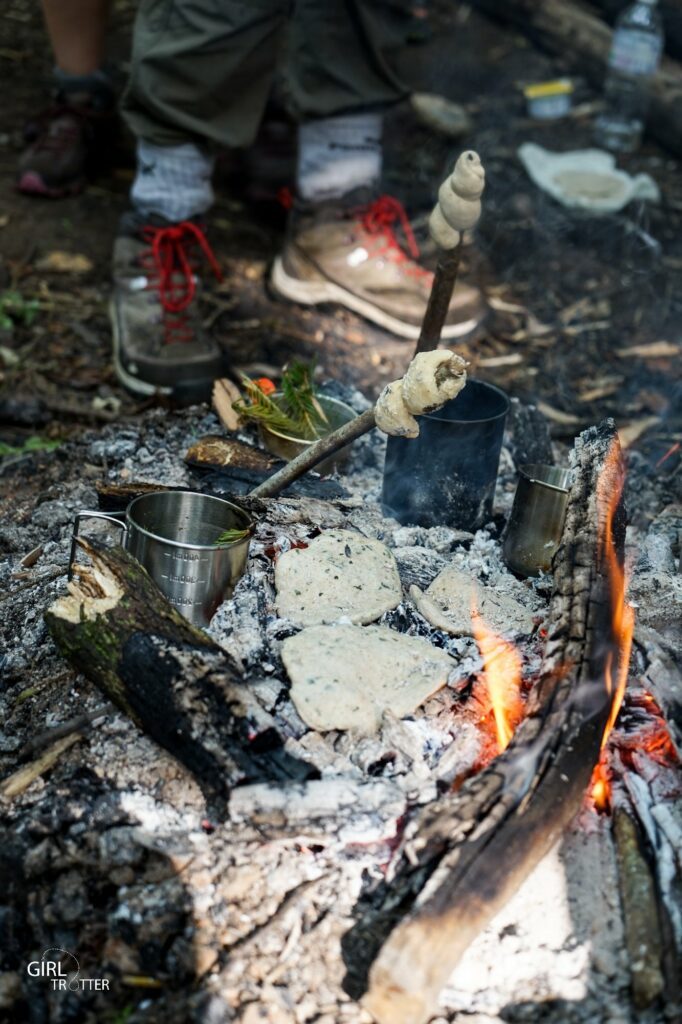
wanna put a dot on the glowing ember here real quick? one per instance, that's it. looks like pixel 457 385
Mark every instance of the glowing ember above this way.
pixel 502 671
pixel 609 491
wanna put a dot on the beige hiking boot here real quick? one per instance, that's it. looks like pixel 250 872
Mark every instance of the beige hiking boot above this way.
pixel 354 257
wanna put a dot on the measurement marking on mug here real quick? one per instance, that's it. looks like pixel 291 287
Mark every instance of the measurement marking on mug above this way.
pixel 185 602
pixel 186 556
pixel 180 579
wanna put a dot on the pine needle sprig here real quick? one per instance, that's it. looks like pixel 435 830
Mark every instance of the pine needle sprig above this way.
pixel 296 412
pixel 262 408
pixel 231 536
pixel 300 399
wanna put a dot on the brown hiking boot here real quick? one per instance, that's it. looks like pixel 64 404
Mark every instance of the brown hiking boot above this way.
pixel 355 258
pixel 160 346
pixel 67 144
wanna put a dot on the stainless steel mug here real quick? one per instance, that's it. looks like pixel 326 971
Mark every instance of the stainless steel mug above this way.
pixel 173 535
pixel 537 518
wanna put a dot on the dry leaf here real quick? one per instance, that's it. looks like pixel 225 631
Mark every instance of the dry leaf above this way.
pixel 225 392
pixel 505 307
pixel 601 389
pixel 59 262
pixel 566 419
pixel 653 350
pixel 632 431
pixel 511 360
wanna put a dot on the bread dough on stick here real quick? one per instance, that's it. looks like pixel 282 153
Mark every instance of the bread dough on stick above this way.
pixel 459 201
pixel 432 379
pixel 392 415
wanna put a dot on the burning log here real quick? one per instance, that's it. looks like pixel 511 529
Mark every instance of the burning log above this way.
pixel 463 857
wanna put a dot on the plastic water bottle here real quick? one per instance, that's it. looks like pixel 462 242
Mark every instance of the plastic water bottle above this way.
pixel 635 55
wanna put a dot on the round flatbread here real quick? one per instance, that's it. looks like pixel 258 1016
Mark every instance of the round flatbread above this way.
pixel 447 605
pixel 340 575
pixel 346 677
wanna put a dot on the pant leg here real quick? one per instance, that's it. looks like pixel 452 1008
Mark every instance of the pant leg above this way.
pixel 202 69
pixel 339 55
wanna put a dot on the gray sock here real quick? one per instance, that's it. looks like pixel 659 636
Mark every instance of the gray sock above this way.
pixel 338 154
pixel 173 182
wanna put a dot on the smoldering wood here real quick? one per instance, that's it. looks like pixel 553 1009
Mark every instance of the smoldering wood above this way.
pixel 640 911
pixel 649 848
pixel 169 677
pixel 663 678
pixel 447 883
pixel 563 27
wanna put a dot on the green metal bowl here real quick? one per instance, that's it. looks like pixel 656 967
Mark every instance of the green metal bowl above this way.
pixel 287 447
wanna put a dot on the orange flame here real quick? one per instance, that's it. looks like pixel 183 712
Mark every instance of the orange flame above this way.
pixel 609 491
pixel 502 671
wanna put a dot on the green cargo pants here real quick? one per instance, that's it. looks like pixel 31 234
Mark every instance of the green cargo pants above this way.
pixel 202 69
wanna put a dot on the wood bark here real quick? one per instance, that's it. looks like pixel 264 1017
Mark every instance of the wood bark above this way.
pixel 179 686
pixel 577 34
pixel 464 856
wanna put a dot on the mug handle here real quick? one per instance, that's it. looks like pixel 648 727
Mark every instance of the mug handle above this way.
pixel 93 515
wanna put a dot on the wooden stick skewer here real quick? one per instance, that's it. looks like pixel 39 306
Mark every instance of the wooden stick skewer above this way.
pixel 458 208
pixel 444 281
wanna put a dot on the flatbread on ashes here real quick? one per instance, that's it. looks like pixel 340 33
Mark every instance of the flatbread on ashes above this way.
pixel 345 677
pixel 340 575
pixel 446 604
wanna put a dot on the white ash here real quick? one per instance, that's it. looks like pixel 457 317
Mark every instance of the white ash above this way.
pixel 116 835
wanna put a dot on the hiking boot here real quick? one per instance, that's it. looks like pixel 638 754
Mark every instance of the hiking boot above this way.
pixel 160 346
pixel 66 144
pixel 354 257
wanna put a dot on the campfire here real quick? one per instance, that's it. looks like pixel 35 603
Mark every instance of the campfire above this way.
pixel 347 766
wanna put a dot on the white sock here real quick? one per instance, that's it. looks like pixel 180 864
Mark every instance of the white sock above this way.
pixel 338 154
pixel 172 181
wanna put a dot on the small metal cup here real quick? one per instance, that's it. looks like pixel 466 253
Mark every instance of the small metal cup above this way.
pixel 287 447
pixel 173 535
pixel 537 518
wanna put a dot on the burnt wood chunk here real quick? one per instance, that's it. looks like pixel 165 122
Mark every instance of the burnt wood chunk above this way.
pixel 216 452
pixel 179 686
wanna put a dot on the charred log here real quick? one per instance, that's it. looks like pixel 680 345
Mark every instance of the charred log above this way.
pixel 464 857
pixel 175 683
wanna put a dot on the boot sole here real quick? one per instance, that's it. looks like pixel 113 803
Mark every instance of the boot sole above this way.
pixel 185 393
pixel 131 383
pixel 313 293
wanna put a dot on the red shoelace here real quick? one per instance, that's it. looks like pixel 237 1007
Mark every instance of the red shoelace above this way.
pixel 378 219
pixel 171 270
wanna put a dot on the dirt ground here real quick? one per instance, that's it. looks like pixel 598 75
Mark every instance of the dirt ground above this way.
pixel 569 292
